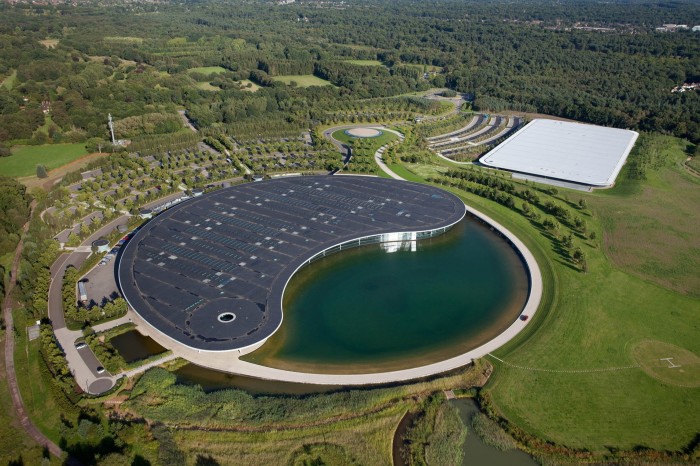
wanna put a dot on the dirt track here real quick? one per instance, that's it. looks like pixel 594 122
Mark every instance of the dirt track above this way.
pixel 17 402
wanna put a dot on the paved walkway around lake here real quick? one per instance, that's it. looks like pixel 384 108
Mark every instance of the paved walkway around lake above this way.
pixel 229 362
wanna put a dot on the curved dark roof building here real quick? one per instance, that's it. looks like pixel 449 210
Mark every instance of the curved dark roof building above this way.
pixel 210 273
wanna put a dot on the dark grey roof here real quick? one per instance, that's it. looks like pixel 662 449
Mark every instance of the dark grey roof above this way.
pixel 235 249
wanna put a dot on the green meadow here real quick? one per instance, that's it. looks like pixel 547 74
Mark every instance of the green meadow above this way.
pixel 24 159
pixel 208 70
pixel 586 373
pixel 302 80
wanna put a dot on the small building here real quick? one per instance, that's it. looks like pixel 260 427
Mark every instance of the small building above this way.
pixel 82 292
pixel 101 245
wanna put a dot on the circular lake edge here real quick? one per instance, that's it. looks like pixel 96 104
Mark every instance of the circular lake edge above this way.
pixel 229 362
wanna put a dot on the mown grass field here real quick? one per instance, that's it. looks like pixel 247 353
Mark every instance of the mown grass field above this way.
pixel 597 320
pixel 207 70
pixel 665 209
pixel 24 159
pixel 364 62
pixel 205 86
pixel 376 142
pixel 303 80
pixel 593 321
pixel 124 39
pixel 9 81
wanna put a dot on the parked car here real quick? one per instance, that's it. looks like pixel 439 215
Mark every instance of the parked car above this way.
pixel 80 345
pixel 524 317
pixel 99 369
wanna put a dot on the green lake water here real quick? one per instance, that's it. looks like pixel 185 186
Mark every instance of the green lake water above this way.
pixel 368 310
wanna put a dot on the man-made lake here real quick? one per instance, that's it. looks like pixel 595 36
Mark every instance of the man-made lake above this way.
pixel 398 305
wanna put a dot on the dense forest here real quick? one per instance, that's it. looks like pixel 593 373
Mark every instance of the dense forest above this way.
pixel 604 64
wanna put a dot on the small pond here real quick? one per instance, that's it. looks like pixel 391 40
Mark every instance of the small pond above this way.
pixel 133 346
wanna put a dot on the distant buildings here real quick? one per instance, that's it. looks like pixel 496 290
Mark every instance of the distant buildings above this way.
pixel 686 87
pixel 670 27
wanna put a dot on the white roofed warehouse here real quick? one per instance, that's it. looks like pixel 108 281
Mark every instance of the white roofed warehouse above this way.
pixel 568 152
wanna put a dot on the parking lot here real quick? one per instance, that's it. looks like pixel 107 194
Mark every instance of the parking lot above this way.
pixel 101 284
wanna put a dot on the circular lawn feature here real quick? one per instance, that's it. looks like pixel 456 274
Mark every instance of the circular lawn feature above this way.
pixel 364 132
pixel 668 363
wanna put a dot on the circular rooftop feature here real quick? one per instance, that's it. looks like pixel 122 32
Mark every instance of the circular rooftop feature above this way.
pixel 101 245
pixel 227 317
pixel 233 251
pixel 364 132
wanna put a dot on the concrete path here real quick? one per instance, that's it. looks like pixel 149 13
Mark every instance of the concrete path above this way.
pixel 229 361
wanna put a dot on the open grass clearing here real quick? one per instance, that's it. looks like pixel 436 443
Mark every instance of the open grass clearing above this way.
pixel 650 228
pixel 302 80
pixel 668 363
pixel 208 70
pixel 205 86
pixel 57 173
pixel 590 321
pixel 101 58
pixel 404 172
pixel 425 68
pixel 9 82
pixel 24 159
pixel 376 142
pixel 124 39
pixel 49 43
pixel 364 62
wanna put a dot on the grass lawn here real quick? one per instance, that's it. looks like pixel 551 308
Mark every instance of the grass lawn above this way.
pixel 404 173
pixel 14 442
pixel 375 142
pixel 303 80
pixel 605 319
pixel 9 81
pixel 364 62
pixel 124 39
pixel 661 214
pixel 39 402
pixel 205 86
pixel 24 159
pixel 208 70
